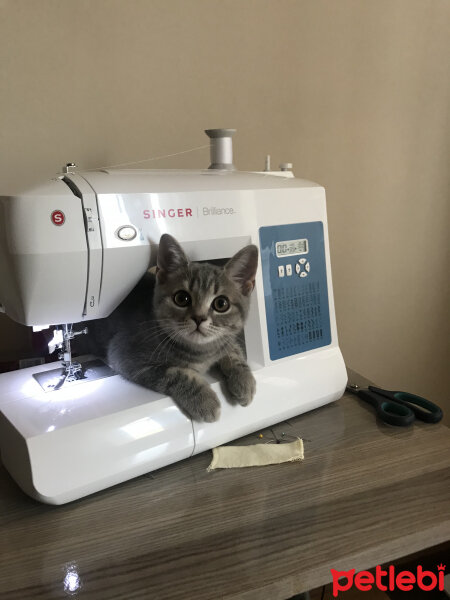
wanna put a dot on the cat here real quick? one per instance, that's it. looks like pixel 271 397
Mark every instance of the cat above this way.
pixel 179 322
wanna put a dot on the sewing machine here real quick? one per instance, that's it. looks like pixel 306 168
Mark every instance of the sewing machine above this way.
pixel 72 249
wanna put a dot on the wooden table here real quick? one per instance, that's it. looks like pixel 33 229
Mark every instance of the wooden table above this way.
pixel 365 494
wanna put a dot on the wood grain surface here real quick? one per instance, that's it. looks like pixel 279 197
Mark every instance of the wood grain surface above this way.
pixel 365 494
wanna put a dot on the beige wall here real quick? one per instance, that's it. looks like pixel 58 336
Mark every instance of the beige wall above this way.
pixel 356 93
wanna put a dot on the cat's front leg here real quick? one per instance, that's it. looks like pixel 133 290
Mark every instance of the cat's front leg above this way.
pixel 192 393
pixel 239 380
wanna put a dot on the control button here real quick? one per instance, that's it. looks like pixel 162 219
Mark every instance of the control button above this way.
pixel 126 233
pixel 281 271
pixel 297 268
pixel 288 270
pixel 307 267
pixel 302 261
pixel 303 274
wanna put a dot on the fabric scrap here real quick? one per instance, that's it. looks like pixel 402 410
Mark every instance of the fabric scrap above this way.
pixel 258 455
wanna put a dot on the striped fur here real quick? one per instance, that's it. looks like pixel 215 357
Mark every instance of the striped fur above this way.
pixel 168 348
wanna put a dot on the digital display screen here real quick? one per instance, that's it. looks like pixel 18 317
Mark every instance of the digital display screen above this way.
pixel 291 248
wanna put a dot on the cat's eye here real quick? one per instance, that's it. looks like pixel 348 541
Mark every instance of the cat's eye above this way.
pixel 221 304
pixel 182 298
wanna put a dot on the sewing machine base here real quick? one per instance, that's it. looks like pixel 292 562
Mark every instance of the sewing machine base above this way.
pixel 77 440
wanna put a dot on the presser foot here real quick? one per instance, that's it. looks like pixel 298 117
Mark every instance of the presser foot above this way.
pixel 73 369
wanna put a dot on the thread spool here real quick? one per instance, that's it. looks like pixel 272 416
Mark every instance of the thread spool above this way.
pixel 221 149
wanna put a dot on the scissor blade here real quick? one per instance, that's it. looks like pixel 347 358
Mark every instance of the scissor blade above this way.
pixel 353 388
pixel 355 379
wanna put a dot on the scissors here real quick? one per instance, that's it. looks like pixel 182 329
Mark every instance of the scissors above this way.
pixel 398 408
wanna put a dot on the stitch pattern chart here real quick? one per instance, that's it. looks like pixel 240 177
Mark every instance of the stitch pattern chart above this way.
pixel 295 288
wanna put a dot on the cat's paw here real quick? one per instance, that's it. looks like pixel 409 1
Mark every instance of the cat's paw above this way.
pixel 205 406
pixel 241 386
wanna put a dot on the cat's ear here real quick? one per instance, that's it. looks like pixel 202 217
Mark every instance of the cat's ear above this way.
pixel 242 268
pixel 170 256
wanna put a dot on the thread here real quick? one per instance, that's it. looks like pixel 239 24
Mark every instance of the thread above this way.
pixel 151 159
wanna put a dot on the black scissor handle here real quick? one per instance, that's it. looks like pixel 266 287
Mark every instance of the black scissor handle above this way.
pixel 423 409
pixel 391 412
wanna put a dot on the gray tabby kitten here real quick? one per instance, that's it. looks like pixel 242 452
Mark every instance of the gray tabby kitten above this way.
pixel 179 323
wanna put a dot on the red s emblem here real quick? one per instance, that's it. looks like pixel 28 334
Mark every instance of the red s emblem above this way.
pixel 57 217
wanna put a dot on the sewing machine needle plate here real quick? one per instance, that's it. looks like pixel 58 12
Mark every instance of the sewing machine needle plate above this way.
pixel 56 378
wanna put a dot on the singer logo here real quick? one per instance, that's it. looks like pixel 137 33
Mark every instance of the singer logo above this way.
pixel 169 213
pixel 388 580
pixel 57 217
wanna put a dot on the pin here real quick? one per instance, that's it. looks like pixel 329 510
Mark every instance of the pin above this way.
pixel 288 436
pixel 274 435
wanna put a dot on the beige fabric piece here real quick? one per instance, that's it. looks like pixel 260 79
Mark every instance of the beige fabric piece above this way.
pixel 227 457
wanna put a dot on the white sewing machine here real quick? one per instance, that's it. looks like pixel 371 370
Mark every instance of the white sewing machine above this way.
pixel 73 248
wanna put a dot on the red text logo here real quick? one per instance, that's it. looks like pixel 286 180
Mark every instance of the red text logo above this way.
pixel 388 580
pixel 170 213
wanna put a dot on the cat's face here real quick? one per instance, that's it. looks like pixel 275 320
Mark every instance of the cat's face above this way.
pixel 201 303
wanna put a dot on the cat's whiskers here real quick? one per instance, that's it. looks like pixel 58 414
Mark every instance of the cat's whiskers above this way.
pixel 162 343
pixel 158 328
pixel 173 335
pixel 178 334
pixel 229 345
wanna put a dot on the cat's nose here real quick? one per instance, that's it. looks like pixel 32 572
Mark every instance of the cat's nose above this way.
pixel 198 320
